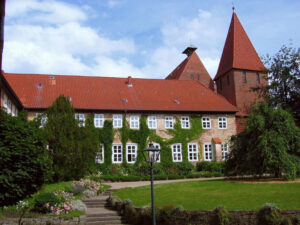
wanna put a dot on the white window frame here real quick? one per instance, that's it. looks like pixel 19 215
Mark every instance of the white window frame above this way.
pixel 5 98
pixel 13 110
pixel 222 122
pixel 152 124
pixel 135 122
pixel 98 120
pixel 100 154
pixel 208 151
pixel 156 146
pixel 206 122
pixel 117 120
pixel 169 122
pixel 81 119
pixel 117 150
pixel 193 152
pixel 131 149
pixel 185 122
pixel 43 119
pixel 176 152
pixel 9 106
pixel 225 150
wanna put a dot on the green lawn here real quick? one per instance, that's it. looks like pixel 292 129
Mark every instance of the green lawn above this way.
pixel 207 195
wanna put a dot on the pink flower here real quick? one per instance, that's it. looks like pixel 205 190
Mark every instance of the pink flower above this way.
pixel 47 205
pixel 81 183
pixel 51 208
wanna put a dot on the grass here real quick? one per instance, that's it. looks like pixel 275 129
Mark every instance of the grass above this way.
pixel 206 195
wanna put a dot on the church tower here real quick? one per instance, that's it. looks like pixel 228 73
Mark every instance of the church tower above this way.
pixel 240 68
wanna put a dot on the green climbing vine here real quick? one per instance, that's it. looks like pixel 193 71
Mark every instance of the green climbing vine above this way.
pixel 143 135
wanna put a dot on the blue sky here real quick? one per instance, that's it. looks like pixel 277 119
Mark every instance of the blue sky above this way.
pixel 138 38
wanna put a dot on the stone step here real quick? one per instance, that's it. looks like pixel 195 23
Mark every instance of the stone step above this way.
pixel 112 222
pixel 104 214
pixel 105 218
pixel 93 203
pixel 96 206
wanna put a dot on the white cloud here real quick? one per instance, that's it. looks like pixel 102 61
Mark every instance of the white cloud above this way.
pixel 45 11
pixel 114 3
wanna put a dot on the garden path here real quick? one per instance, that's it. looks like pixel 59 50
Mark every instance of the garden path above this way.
pixel 118 185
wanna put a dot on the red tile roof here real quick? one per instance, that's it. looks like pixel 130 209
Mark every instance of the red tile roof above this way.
pixel 107 93
pixel 192 65
pixel 217 140
pixel 238 52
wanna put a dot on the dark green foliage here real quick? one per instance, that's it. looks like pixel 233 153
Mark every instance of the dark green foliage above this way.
pixel 106 135
pixel 42 199
pixel 222 216
pixel 269 215
pixel 211 166
pixel 23 158
pixel 270 143
pixel 283 87
pixel 73 148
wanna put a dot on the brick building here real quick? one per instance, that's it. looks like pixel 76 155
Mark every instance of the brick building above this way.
pixel 187 91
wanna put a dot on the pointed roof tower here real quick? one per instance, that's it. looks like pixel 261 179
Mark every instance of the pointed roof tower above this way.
pixel 238 52
pixel 191 69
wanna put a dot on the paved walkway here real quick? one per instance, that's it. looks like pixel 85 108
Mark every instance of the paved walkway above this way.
pixel 118 185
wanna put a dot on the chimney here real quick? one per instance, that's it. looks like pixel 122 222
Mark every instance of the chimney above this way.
pixel 2 11
pixel 129 81
pixel 189 50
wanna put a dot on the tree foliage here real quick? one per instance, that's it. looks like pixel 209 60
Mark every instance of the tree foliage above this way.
pixel 284 80
pixel 73 148
pixel 23 158
pixel 270 143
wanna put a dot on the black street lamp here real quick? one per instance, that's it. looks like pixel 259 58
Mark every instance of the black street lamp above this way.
pixel 151 155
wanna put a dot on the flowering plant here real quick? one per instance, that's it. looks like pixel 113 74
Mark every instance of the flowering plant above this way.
pixel 57 209
pixel 85 184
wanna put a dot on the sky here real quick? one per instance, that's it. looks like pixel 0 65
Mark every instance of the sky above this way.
pixel 138 38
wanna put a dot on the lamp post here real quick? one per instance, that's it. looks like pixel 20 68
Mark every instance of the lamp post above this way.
pixel 151 155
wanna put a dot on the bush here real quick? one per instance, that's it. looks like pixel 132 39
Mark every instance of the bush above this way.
pixel 222 216
pixel 44 201
pixel 79 205
pixel 269 215
pixel 24 161
pixel 211 166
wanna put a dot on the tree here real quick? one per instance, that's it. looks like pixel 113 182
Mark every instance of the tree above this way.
pixel 284 81
pixel 73 148
pixel 270 143
pixel 23 158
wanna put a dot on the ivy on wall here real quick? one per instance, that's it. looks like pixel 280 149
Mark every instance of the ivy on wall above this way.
pixel 143 135
pixel 106 135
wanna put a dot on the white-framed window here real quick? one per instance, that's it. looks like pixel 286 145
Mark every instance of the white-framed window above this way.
pixel 100 154
pixel 152 122
pixel 185 122
pixel 134 122
pixel 193 152
pixel 117 121
pixel 131 153
pixel 13 110
pixel 43 119
pixel 206 122
pixel 81 119
pixel 225 150
pixel 169 122
pixel 8 106
pixel 98 120
pixel 208 152
pixel 117 153
pixel 177 153
pixel 222 122
pixel 156 153
pixel 5 101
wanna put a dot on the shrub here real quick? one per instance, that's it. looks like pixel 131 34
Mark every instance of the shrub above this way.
pixel 24 161
pixel 44 201
pixel 222 216
pixel 78 205
pixel 269 215
pixel 211 166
